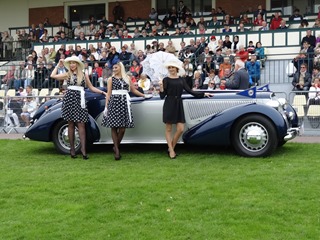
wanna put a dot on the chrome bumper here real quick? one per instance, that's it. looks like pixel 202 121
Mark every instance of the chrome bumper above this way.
pixel 292 133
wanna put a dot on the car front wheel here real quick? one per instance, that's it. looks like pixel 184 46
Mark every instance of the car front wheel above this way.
pixel 254 136
pixel 60 138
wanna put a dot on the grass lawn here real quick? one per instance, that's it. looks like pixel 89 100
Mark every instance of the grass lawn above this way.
pixel 203 194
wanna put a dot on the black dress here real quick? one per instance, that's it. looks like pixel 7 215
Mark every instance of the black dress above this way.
pixel 71 105
pixel 173 108
pixel 119 111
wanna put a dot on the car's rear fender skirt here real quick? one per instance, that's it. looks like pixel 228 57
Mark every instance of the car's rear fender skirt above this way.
pixel 216 130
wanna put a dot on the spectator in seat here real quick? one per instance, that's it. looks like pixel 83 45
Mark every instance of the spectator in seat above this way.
pixel 242 53
pixel 214 22
pixel 282 25
pixel 13 108
pixel 251 48
pixel 144 82
pixel 40 75
pixel 63 37
pixel 253 68
pixel 91 32
pixel 276 21
pixel 311 39
pixel 264 26
pixel 301 79
pixel 218 58
pixel 316 23
pixel 241 28
pixel 28 110
pixel 81 37
pixel 235 44
pixel 170 48
pixel 296 16
pixel 314 92
pixel 136 86
pixel 212 77
pixel 197 81
pixel 227 43
pixel 19 76
pixel 8 79
pixel 258 20
pixel 260 53
pixel 208 65
pixel 300 59
pixel 226 28
pixel 225 65
pixel 135 68
pixel 29 75
pixel 78 30
pixel 245 20
pixel 304 23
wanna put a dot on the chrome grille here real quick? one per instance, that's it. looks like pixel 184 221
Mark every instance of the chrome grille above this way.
pixel 200 109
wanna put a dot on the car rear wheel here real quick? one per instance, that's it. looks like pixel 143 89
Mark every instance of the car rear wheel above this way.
pixel 60 138
pixel 254 136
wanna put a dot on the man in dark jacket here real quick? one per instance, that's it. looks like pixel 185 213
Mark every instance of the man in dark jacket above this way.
pixel 241 77
pixel 309 38
pixel 301 79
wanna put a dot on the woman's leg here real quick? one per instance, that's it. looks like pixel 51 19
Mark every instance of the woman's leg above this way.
pixel 114 135
pixel 177 134
pixel 169 139
pixel 121 132
pixel 71 137
pixel 82 135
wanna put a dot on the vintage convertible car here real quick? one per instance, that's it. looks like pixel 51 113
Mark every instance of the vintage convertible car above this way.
pixel 254 122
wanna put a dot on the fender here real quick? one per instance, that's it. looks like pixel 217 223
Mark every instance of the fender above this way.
pixel 216 130
pixel 41 130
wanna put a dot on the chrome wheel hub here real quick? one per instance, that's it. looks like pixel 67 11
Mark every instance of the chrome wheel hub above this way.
pixel 253 136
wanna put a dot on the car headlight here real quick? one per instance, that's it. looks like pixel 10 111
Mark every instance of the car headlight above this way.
pixel 273 103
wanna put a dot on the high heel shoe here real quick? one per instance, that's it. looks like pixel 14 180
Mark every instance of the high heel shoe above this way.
pixel 73 155
pixel 116 157
pixel 85 157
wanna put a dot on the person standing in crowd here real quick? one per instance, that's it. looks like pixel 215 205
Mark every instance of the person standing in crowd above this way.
pixel 74 107
pixel 171 89
pixel 7 41
pixel 241 77
pixel 118 113
pixel 118 12
pixel 253 68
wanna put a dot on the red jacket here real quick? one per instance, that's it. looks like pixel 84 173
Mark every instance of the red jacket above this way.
pixel 275 23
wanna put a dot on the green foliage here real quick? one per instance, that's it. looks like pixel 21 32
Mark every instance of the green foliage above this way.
pixel 203 194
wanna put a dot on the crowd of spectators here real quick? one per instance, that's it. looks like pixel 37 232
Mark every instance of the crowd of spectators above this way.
pixel 203 54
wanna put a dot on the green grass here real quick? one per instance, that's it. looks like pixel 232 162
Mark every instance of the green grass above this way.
pixel 203 194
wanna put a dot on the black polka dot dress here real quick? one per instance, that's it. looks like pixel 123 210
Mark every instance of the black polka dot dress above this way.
pixel 71 105
pixel 119 113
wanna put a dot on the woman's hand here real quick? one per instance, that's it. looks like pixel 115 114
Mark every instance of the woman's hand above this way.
pixel 105 112
pixel 208 95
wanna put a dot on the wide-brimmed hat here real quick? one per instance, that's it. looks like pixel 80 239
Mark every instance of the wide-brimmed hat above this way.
pixel 176 64
pixel 73 59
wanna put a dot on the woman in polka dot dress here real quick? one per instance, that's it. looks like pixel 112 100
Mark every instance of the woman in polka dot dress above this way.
pixel 118 114
pixel 73 107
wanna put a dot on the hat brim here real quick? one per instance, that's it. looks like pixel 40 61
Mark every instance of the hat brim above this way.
pixel 176 65
pixel 73 59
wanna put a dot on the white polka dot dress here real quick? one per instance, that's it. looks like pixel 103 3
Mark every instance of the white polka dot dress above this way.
pixel 71 105
pixel 118 114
